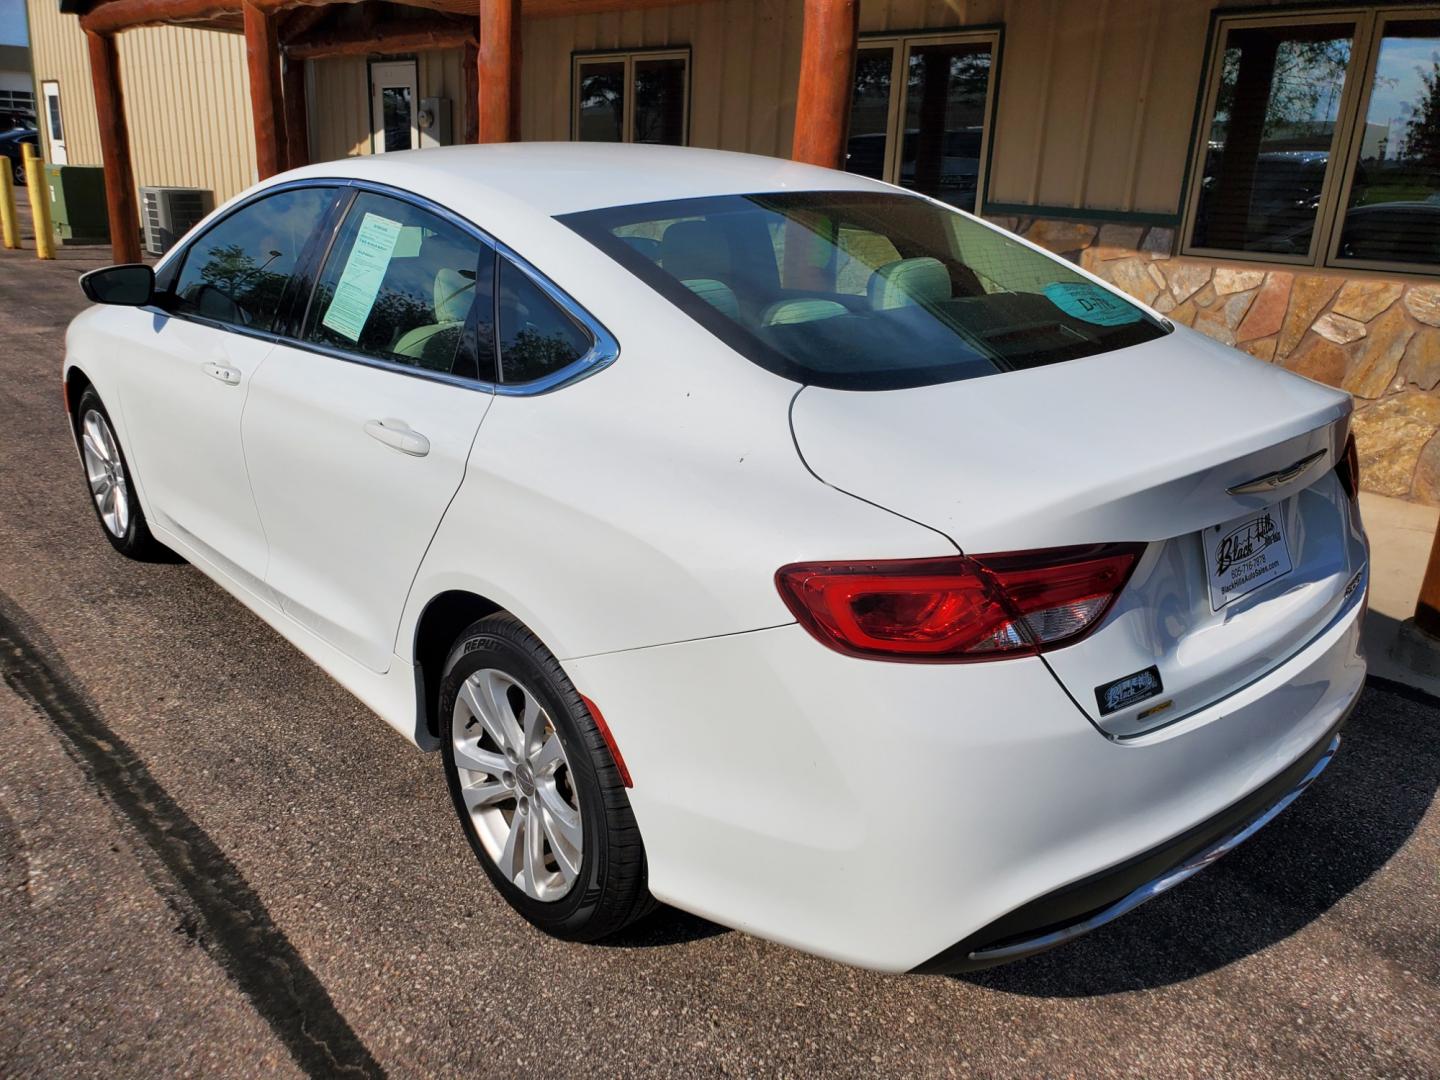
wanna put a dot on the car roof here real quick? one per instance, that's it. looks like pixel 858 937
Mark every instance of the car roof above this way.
pixel 566 177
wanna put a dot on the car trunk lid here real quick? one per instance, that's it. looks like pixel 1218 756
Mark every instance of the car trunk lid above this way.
pixel 1206 454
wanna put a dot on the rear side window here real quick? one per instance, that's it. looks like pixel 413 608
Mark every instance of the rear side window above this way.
pixel 537 336
pixel 405 286
pixel 238 271
pixel 863 290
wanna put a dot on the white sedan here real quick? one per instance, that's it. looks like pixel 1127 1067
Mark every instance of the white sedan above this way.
pixel 756 538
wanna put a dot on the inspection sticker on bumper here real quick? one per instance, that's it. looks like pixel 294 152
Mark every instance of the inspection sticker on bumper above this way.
pixel 1245 553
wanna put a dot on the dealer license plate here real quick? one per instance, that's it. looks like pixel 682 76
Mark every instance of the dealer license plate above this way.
pixel 1245 553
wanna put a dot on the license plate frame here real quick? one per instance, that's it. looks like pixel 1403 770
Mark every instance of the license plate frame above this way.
pixel 1245 553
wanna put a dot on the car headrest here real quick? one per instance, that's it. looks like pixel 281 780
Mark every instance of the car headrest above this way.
pixel 715 293
pixel 909 281
pixel 695 249
pixel 786 312
pixel 454 292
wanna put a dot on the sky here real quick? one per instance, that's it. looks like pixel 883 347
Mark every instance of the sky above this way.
pixel 1399 87
pixel 12 23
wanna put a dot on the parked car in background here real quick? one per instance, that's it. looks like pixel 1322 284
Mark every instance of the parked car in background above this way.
pixel 761 539
pixel 11 143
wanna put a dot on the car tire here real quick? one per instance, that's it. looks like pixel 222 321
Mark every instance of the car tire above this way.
pixel 17 170
pixel 503 700
pixel 110 484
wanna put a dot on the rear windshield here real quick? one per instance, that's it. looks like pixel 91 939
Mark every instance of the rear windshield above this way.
pixel 864 290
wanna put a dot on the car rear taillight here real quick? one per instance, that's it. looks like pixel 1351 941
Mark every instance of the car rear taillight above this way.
pixel 961 608
pixel 1348 468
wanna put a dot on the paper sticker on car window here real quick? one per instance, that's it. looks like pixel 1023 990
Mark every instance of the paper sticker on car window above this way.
pixel 1090 303
pixel 359 282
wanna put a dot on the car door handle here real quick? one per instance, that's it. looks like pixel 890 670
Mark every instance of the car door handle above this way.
pixel 228 375
pixel 399 436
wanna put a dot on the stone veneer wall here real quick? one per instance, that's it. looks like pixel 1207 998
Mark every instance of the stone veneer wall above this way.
pixel 1377 337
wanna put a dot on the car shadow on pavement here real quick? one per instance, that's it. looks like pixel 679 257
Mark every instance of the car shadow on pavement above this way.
pixel 663 926
pixel 1326 845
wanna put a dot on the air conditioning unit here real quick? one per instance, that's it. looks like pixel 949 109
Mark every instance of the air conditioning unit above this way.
pixel 168 213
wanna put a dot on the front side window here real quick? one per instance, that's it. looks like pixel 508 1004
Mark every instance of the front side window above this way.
pixel 632 97
pixel 400 285
pixel 1321 140
pixel 864 290
pixel 238 271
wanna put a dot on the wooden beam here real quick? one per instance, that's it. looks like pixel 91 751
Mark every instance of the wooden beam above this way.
pixel 1427 608
pixel 498 63
pixel 297 120
pixel 120 195
pixel 827 74
pixel 549 9
pixel 267 94
pixel 116 15
pixel 388 35
pixel 470 69
pixel 112 16
pixel 300 21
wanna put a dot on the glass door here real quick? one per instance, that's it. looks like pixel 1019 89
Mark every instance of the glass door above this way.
pixel 394 94
pixel 919 112
pixel 54 128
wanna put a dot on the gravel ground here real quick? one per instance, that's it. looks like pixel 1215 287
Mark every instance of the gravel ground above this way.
pixel 213 861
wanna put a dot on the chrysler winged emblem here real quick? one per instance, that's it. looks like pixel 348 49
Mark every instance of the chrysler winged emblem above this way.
pixel 1271 481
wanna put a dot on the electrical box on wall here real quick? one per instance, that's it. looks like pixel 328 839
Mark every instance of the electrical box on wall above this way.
pixel 434 121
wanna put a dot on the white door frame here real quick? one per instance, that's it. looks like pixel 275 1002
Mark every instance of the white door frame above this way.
pixel 49 89
pixel 393 73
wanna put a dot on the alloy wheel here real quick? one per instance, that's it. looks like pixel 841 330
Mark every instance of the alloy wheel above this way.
pixel 106 472
pixel 516 784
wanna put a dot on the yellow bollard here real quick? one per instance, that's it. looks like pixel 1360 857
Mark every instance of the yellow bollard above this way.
pixel 39 203
pixel 8 223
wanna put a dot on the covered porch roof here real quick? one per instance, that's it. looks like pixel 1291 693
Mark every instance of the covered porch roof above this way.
pixel 110 16
pixel 281 34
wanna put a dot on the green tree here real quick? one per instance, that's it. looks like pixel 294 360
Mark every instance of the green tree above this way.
pixel 1422 131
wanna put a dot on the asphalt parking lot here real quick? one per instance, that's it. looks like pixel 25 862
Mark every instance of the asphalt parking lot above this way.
pixel 214 861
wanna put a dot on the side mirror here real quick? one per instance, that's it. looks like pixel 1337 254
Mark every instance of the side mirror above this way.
pixel 132 284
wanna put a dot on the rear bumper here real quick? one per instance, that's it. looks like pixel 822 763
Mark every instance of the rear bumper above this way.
pixel 880 813
pixel 1070 912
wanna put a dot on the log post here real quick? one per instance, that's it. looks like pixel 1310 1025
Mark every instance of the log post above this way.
pixel 498 63
pixel 120 196
pixel 267 95
pixel 297 122
pixel 470 69
pixel 1427 608
pixel 827 72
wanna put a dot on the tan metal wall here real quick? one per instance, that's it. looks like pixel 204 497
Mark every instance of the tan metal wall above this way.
pixel 1096 102
pixel 187 100
pixel 1094 106
pixel 340 99
pixel 1096 98
pixel 744 64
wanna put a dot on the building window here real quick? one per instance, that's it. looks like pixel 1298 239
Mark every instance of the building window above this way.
pixel 17 101
pixel 919 112
pixel 641 97
pixel 1321 145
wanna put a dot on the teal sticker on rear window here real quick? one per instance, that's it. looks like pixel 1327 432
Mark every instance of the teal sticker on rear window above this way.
pixel 1090 303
